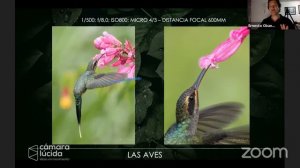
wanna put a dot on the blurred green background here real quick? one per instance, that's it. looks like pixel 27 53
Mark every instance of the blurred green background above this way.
pixel 108 114
pixel 229 83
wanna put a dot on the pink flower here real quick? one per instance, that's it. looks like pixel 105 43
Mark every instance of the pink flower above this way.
pixel 225 50
pixel 109 47
pixel 101 62
pixel 121 61
pixel 97 56
pixel 112 51
pixel 129 49
pixel 123 69
pixel 206 61
pixel 107 41
pixel 103 59
pixel 131 73
pixel 130 70
pixel 239 34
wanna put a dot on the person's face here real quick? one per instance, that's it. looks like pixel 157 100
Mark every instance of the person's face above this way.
pixel 273 8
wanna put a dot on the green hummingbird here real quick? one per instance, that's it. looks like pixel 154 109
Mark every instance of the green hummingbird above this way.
pixel 204 127
pixel 90 80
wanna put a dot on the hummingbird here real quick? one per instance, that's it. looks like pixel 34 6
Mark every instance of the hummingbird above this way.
pixel 206 126
pixel 90 80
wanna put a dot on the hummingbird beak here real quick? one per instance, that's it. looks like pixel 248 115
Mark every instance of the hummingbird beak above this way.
pixel 200 77
pixel 95 64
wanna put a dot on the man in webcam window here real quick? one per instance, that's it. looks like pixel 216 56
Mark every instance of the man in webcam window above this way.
pixel 276 20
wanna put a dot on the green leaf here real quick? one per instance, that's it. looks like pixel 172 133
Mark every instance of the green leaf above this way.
pixel 29 61
pixel 125 9
pixel 42 94
pixel 148 66
pixel 176 12
pixel 152 130
pixel 112 11
pixel 144 34
pixel 259 104
pixel 143 101
pixel 155 123
pixel 137 61
pixel 260 44
pixel 117 11
pixel 65 16
pixel 267 79
pixel 34 31
pixel 142 85
pixel 148 70
pixel 158 12
pixel 160 70
pixel 156 49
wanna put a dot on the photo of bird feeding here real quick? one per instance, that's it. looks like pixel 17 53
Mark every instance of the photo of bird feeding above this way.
pixel 93 89
pixel 207 76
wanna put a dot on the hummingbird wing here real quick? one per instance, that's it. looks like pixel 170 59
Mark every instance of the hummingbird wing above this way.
pixel 234 136
pixel 218 116
pixel 103 80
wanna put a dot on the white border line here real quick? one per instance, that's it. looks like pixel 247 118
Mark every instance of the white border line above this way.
pixel 154 148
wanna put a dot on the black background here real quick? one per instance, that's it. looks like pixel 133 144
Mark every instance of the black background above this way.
pixel 33 80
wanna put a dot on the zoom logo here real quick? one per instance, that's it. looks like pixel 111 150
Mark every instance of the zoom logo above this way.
pixel 47 152
pixel 250 153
